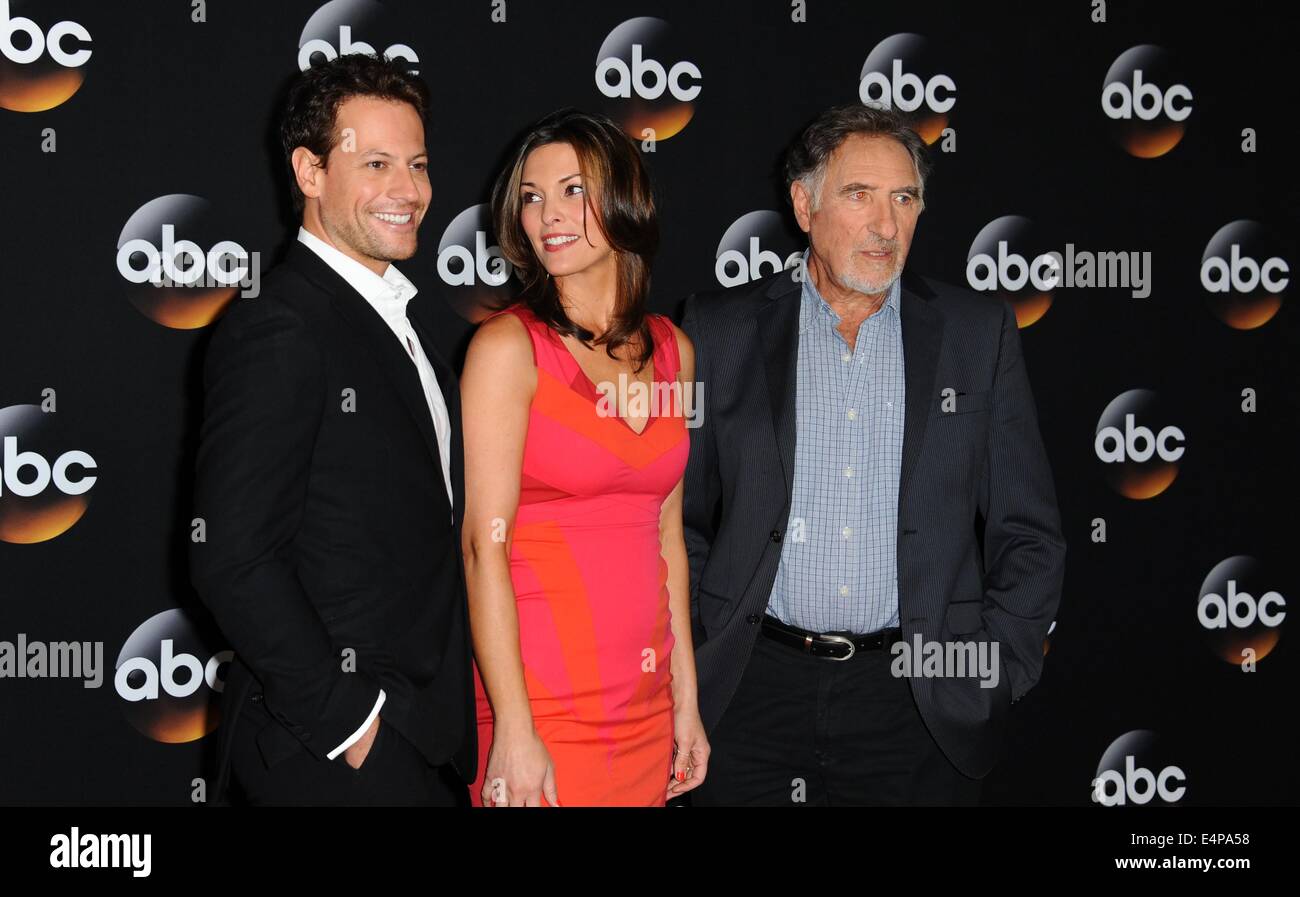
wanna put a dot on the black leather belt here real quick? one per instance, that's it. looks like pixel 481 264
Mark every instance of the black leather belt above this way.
pixel 831 645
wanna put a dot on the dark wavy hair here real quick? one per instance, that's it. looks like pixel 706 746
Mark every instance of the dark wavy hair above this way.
pixel 312 104
pixel 619 186
pixel 807 157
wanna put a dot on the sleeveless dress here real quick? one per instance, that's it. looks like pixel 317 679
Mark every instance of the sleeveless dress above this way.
pixel 590 580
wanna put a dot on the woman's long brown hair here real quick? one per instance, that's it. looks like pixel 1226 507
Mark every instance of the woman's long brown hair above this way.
pixel 611 168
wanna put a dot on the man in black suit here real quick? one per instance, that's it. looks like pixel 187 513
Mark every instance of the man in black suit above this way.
pixel 868 487
pixel 330 479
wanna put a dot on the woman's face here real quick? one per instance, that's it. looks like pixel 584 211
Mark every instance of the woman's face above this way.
pixel 554 198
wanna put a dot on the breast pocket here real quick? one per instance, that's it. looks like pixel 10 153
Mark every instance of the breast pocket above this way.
pixel 960 404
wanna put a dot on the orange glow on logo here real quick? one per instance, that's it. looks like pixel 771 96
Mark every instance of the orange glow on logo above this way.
pixel 1029 309
pixel 37 94
pixel 41 520
pixel 1154 143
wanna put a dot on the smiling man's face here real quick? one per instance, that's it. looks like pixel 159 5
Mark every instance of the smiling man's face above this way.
pixel 372 196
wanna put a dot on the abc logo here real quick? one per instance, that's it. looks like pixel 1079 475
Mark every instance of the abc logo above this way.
pixel 889 78
pixel 38 67
pixel 1238 612
pixel 1140 459
pixel 1008 257
pixel 471 263
pixel 1239 609
pixel 628 80
pixel 755 245
pixel 328 33
pixel 168 677
pixel 180 261
pixel 177 282
pixel 1144 99
pixel 1244 275
pixel 628 67
pixel 1133 771
pixel 1138 785
pixel 44 485
pixel 1137 443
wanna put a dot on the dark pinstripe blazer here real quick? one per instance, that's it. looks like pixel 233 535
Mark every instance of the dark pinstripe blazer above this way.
pixel 980 551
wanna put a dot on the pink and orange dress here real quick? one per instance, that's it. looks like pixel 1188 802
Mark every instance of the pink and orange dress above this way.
pixel 590 580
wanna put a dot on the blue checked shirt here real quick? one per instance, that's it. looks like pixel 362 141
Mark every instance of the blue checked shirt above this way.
pixel 839 565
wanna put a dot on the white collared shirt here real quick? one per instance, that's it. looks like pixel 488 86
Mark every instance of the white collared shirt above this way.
pixel 388 295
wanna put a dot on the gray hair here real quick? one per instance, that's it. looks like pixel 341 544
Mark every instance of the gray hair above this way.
pixel 807 157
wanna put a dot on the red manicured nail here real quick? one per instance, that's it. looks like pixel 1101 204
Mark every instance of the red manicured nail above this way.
pixel 681 775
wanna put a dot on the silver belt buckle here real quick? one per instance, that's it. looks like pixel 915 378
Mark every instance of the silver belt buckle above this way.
pixel 839 638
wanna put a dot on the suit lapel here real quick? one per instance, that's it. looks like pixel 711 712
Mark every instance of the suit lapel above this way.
pixel 381 343
pixel 922 337
pixel 450 388
pixel 778 332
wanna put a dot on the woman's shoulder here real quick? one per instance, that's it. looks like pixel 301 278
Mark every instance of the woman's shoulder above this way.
pixel 518 328
pixel 507 328
pixel 662 326
pixel 664 322
pixel 672 339
pixel 518 310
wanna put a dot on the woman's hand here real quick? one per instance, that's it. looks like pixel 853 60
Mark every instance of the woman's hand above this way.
pixel 519 773
pixel 691 759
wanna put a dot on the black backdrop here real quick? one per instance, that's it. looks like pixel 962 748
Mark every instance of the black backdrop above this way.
pixel 169 105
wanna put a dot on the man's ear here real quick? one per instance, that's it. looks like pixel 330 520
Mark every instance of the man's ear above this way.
pixel 802 203
pixel 306 168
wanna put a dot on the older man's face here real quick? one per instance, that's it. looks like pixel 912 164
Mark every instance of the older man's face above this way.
pixel 862 228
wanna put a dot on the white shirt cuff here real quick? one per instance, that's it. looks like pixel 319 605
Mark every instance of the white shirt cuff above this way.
pixel 356 736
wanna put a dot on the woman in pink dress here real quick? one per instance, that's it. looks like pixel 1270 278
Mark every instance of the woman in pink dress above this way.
pixel 574 411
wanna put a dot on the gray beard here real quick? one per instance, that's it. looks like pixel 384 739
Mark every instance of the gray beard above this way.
pixel 868 287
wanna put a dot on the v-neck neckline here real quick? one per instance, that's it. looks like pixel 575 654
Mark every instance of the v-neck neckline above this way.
pixel 596 393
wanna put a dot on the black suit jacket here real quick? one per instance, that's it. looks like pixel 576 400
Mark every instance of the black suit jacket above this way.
pixel 980 551
pixel 328 531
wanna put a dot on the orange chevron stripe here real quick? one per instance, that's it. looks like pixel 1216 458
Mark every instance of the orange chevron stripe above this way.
pixel 559 402
pixel 648 686
pixel 544 547
pixel 647 696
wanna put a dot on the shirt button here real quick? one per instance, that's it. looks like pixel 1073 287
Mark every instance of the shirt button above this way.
pixel 853 414
pixel 847 531
pixel 844 591
pixel 848 471
pixel 889 404
pixel 846 357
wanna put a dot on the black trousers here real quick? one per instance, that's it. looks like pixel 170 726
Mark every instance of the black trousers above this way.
pixel 394 773
pixel 809 731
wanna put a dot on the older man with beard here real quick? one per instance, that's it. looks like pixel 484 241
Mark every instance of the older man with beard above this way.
pixel 868 478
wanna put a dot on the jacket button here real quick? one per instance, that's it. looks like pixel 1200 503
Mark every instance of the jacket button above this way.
pixel 753 619
pixel 775 535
